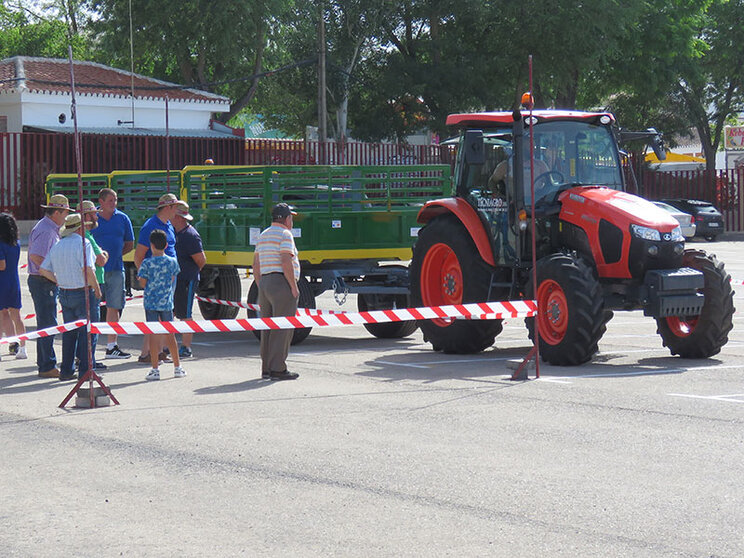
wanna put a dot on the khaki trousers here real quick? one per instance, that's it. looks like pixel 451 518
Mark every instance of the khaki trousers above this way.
pixel 275 299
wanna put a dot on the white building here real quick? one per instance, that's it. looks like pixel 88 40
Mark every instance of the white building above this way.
pixel 35 96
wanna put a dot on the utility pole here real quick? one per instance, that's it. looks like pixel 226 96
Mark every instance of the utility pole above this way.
pixel 322 107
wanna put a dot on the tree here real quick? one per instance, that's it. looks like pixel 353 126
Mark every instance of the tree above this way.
pixel 24 32
pixel 213 45
pixel 710 89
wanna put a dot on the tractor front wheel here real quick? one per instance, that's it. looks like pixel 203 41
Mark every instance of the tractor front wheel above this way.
pixel 570 310
pixel 702 336
pixel 447 269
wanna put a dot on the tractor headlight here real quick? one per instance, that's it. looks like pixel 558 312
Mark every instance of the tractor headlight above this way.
pixel 677 235
pixel 645 233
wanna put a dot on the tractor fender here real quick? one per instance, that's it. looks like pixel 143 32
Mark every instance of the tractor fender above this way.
pixel 467 216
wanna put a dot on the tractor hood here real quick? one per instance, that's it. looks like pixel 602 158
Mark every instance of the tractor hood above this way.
pixel 626 235
pixel 619 208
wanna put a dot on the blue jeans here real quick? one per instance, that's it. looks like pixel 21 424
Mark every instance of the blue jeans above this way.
pixel 75 342
pixel 44 294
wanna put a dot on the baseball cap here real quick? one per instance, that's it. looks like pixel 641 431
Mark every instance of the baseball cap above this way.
pixel 282 210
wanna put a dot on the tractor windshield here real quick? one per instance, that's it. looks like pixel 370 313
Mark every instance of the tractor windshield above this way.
pixel 575 153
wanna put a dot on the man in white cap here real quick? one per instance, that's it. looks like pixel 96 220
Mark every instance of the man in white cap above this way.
pixel 44 235
pixel 191 260
pixel 71 264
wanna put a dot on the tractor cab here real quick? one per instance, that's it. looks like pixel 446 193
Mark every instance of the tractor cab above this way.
pixel 495 167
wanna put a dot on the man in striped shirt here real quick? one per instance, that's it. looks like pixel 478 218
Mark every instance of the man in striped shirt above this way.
pixel 276 271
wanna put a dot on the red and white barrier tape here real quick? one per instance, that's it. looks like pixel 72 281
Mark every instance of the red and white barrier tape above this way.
pixel 256 308
pixel 482 310
pixel 46 332
pixel 491 310
pixel 29 316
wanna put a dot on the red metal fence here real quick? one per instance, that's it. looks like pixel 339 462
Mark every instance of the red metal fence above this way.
pixel 27 158
pixel 721 188
pixel 301 152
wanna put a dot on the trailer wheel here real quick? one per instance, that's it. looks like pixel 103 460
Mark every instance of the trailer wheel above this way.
pixel 570 310
pixel 702 336
pixel 391 330
pixel 447 269
pixel 306 300
pixel 223 283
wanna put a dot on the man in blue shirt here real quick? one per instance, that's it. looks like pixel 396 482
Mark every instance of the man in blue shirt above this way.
pixel 191 260
pixel 114 234
pixel 165 210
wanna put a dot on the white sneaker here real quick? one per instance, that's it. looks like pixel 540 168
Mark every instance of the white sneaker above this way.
pixel 153 375
pixel 21 354
pixel 179 372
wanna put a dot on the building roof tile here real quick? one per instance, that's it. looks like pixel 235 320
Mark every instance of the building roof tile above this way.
pixel 52 75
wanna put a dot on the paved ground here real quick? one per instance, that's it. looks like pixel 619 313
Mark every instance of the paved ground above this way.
pixel 384 448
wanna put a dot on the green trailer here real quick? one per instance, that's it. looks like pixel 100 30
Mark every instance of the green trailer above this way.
pixel 353 224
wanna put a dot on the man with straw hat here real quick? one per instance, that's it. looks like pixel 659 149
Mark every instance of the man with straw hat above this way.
pixel 90 217
pixel 44 235
pixel 71 264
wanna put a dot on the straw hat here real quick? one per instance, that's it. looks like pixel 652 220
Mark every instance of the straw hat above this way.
pixel 72 223
pixel 167 200
pixel 183 211
pixel 87 207
pixel 57 201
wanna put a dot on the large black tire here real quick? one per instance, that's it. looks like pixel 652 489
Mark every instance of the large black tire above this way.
pixel 447 269
pixel 223 283
pixel 391 330
pixel 306 300
pixel 702 336
pixel 570 306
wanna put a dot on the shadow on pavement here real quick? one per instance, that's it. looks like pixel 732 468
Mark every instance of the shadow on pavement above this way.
pixel 255 383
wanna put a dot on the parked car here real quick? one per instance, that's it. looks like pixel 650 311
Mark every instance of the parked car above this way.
pixel 708 219
pixel 685 220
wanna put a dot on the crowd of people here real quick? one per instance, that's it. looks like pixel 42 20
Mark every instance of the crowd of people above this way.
pixel 76 258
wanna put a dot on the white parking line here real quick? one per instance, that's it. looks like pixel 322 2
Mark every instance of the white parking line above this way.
pixel 727 398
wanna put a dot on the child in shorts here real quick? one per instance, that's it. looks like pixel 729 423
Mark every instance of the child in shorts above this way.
pixel 157 275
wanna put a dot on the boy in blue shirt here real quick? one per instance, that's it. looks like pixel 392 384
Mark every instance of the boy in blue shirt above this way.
pixel 157 275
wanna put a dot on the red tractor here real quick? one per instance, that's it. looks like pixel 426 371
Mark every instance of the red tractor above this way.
pixel 597 247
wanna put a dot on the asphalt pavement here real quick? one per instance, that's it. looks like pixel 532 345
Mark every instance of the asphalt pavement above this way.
pixel 383 448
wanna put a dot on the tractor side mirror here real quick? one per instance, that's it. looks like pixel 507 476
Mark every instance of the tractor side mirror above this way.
pixel 475 153
pixel 657 144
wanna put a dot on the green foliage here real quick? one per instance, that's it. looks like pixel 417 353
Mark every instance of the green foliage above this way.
pixel 399 66
pixel 20 36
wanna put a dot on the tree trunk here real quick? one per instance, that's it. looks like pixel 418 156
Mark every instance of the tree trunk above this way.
pixel 241 103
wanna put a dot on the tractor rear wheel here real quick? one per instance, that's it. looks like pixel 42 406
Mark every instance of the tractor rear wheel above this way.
pixel 306 300
pixel 570 310
pixel 702 336
pixel 447 269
